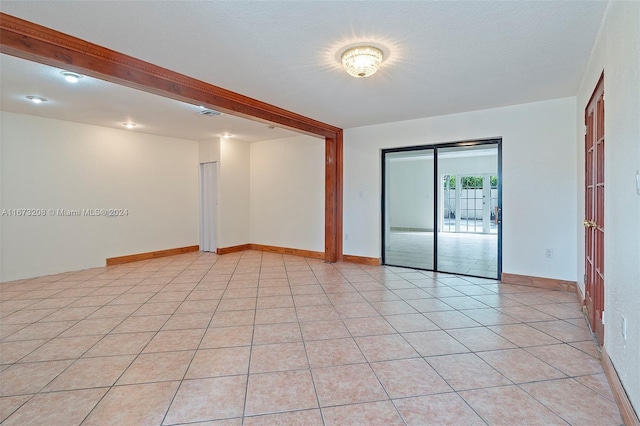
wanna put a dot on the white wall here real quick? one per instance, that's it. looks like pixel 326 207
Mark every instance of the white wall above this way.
pixel 539 172
pixel 233 194
pixel 411 184
pixel 287 193
pixel 53 164
pixel 617 52
pixel 209 150
pixel 411 193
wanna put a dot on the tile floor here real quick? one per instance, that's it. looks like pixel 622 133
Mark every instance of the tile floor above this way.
pixel 256 338
pixel 460 253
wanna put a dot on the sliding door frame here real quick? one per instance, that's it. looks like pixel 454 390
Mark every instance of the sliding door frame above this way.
pixel 436 187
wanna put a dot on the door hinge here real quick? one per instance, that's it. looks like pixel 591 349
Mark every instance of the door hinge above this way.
pixel 603 317
pixel 585 130
pixel 584 278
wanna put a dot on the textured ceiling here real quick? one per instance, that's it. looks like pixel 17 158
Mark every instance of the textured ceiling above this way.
pixel 441 57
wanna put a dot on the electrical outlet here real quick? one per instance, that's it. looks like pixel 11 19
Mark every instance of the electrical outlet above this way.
pixel 548 253
pixel 623 327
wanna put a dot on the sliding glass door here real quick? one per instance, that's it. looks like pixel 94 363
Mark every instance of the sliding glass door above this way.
pixel 409 209
pixel 441 208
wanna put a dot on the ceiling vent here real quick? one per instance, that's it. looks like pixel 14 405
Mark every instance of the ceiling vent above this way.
pixel 209 112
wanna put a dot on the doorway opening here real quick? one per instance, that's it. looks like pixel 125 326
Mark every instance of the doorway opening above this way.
pixel 208 206
pixel 442 208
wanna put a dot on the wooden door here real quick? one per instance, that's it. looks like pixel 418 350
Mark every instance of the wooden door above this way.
pixel 594 210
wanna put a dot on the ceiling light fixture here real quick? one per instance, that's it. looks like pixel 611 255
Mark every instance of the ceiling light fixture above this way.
pixel 129 125
pixel 362 61
pixel 225 135
pixel 36 99
pixel 71 77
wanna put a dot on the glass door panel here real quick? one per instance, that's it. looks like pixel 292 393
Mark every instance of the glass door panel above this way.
pixel 468 221
pixel 409 213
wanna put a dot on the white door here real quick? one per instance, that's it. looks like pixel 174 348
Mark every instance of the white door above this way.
pixel 208 206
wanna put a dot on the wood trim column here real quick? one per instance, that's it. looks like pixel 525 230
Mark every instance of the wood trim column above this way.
pixel 333 198
pixel 37 43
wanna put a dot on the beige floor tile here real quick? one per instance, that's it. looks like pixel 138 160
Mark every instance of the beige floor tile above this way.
pixel 62 348
pixel 598 383
pixel 381 413
pixel 480 339
pixel 276 333
pixel 175 340
pixel 133 405
pixel 275 315
pixel 406 323
pixel 157 367
pixel 19 379
pixel 285 301
pixel 321 330
pixel 233 318
pixel 160 308
pixel 57 408
pixel 523 335
pixel 11 352
pixel 239 304
pixel 429 305
pixel 317 313
pixel 520 366
pixel 510 405
pixel 563 331
pixel 91 373
pixel 291 418
pixel 525 313
pixel 120 344
pixel 588 347
pixel 280 391
pixel 278 357
pixel 356 310
pixel 347 384
pixel 90 327
pixel 9 404
pixel 385 347
pixel 325 353
pixel 208 399
pixel 223 337
pixel 40 330
pixel 188 321
pixel 489 316
pixel 141 324
pixel 115 311
pixel 575 403
pixel 442 409
pixel 430 343
pixel 409 377
pixel 369 326
pixel 219 362
pixel 567 359
pixel 455 369
pixel 447 320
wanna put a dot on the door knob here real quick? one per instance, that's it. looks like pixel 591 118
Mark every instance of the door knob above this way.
pixel 589 224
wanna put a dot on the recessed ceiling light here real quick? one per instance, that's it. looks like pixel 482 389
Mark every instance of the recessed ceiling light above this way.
pixel 36 99
pixel 129 125
pixel 71 77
